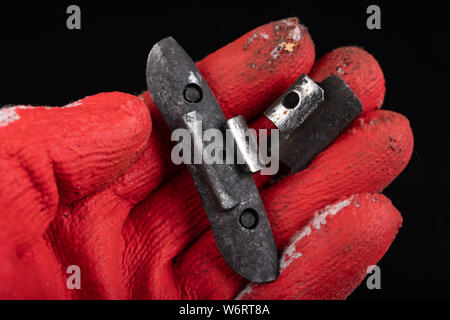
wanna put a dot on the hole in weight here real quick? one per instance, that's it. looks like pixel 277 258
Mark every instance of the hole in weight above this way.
pixel 291 100
pixel 249 218
pixel 193 93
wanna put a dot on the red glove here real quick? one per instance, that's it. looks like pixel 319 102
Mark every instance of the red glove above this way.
pixel 92 185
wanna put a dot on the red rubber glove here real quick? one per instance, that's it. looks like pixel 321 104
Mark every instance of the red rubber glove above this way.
pixel 92 185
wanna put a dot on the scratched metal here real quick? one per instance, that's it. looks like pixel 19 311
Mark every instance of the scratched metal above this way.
pixel 246 143
pixel 294 106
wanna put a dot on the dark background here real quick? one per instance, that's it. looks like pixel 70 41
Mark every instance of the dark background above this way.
pixel 44 63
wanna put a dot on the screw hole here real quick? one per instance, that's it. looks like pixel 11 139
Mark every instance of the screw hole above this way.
pixel 291 100
pixel 193 93
pixel 249 218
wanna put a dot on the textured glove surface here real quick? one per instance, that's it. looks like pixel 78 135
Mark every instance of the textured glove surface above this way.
pixel 92 185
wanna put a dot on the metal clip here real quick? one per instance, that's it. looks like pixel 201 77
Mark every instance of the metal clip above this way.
pixel 229 195
pixel 322 126
pixel 295 105
pixel 246 143
pixel 212 173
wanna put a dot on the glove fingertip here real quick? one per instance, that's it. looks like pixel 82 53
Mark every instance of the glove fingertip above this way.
pixel 359 69
pixel 251 72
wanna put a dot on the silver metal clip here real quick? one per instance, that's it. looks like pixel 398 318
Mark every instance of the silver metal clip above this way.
pixel 295 106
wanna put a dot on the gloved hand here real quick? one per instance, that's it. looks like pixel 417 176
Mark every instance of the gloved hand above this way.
pixel 92 185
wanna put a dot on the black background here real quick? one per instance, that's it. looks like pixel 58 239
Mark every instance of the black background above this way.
pixel 44 63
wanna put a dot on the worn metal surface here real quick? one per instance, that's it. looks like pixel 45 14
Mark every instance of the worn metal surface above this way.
pixel 291 109
pixel 229 194
pixel 339 108
pixel 212 174
pixel 246 143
